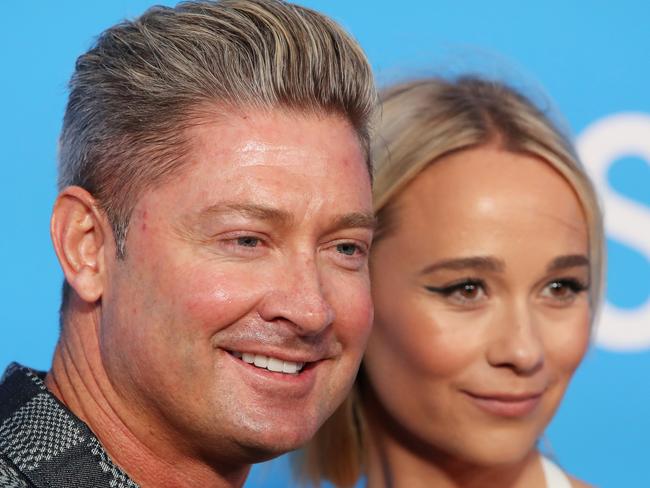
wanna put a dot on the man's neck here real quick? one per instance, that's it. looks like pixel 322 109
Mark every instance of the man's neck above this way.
pixel 152 459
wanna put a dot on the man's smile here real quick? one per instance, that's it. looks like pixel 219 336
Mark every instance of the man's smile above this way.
pixel 268 362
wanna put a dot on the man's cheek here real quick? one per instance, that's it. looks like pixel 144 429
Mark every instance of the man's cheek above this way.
pixel 355 321
pixel 219 298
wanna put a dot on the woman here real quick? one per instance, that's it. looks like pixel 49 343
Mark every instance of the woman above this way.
pixel 486 272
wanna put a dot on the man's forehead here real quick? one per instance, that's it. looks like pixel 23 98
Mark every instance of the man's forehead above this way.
pixel 252 133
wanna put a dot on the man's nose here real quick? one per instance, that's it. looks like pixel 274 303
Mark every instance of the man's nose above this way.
pixel 517 343
pixel 298 297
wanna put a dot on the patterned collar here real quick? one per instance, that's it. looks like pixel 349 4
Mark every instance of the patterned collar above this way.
pixel 43 444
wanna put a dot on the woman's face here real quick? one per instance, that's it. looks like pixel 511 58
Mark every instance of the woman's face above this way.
pixel 481 308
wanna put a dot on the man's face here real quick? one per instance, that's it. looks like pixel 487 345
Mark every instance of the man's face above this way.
pixel 256 251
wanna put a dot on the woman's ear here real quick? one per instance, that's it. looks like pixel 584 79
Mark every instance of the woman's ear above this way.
pixel 78 231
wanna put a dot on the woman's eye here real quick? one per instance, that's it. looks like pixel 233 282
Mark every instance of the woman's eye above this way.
pixel 469 291
pixel 464 292
pixel 564 290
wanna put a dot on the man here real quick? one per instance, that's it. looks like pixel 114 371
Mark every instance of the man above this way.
pixel 213 226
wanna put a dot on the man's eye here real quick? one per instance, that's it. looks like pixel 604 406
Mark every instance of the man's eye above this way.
pixel 347 248
pixel 248 241
pixel 352 255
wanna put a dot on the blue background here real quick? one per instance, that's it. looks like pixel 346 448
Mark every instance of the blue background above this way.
pixel 590 57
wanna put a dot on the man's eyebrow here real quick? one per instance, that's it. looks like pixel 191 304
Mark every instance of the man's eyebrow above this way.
pixel 568 261
pixel 354 220
pixel 251 210
pixel 486 263
pixel 283 217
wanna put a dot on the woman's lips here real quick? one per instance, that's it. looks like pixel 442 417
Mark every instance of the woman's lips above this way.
pixel 506 405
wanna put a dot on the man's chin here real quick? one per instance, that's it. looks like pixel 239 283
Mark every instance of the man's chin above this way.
pixel 260 454
pixel 247 449
pixel 268 431
pixel 274 443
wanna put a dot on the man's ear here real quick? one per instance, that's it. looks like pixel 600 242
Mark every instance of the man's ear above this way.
pixel 78 231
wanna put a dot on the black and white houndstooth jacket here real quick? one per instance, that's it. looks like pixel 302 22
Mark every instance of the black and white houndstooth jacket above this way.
pixel 43 444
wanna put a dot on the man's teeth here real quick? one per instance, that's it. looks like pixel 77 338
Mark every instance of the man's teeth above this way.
pixel 272 364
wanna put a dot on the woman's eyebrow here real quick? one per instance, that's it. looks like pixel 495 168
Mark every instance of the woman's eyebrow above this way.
pixel 487 263
pixel 568 261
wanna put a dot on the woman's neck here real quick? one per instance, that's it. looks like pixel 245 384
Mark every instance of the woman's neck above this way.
pixel 394 462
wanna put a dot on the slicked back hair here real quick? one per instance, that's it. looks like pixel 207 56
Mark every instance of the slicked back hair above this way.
pixel 145 81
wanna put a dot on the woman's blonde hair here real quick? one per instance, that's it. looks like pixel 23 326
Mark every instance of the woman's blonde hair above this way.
pixel 421 122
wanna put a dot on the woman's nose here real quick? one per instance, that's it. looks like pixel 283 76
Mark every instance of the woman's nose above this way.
pixel 517 343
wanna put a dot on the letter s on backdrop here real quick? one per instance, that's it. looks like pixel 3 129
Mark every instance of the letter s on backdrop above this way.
pixel 616 153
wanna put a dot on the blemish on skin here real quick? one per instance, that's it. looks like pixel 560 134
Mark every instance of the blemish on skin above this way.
pixel 143 226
